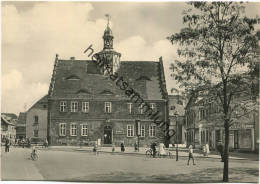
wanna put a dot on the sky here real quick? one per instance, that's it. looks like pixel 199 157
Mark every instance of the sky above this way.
pixel 34 32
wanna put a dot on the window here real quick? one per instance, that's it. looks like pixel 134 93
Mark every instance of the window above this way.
pixel 85 107
pixel 172 107
pixel 141 110
pixel 152 106
pixel 142 130
pixel 130 130
pixel 74 106
pixel 35 133
pixel 63 106
pixel 108 107
pixel 84 130
pixel 73 129
pixel 129 107
pixel 62 129
pixel 36 119
pixel 152 131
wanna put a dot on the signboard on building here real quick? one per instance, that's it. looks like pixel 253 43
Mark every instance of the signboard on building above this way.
pixel 119 131
pixel 241 126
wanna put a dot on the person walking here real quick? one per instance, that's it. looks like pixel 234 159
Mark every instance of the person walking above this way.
pixel 136 148
pixel 122 147
pixel 191 155
pixel 153 147
pixel 23 142
pixel 207 150
pixel 7 145
pixel 220 150
pixel 46 143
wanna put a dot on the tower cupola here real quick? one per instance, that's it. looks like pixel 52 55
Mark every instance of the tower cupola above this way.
pixel 108 54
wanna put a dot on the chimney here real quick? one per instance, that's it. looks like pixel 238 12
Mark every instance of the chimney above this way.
pixel 72 58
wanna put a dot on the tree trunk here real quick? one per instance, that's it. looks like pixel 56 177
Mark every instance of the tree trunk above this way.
pixel 226 152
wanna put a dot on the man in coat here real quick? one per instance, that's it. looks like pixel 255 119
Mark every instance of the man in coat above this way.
pixel 220 149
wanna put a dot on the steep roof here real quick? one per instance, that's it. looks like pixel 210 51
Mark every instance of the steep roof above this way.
pixel 5 120
pixel 10 115
pixel 82 78
pixel 41 104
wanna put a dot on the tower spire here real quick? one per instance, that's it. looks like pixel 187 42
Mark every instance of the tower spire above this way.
pixel 108 19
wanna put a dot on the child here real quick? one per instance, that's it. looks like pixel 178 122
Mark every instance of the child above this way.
pixel 191 155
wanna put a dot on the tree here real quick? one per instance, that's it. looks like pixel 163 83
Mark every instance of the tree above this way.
pixel 216 47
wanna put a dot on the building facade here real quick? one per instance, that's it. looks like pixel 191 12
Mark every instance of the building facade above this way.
pixel 36 120
pixel 8 129
pixel 205 124
pixel 177 118
pixel 21 126
pixel 85 105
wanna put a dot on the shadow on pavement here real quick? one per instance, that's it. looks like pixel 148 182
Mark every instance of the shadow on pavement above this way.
pixel 205 175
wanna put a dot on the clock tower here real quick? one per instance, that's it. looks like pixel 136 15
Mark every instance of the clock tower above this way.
pixel 108 54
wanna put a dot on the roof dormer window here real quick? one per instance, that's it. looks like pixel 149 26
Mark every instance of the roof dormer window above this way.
pixel 143 78
pixel 107 92
pixel 73 78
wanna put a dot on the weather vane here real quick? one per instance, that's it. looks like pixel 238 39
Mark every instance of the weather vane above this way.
pixel 108 18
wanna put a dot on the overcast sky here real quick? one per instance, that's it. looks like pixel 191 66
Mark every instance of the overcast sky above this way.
pixel 33 32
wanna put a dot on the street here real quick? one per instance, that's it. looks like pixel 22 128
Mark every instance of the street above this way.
pixel 107 167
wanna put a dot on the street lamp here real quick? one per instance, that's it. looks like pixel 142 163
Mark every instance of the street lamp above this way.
pixel 176 115
pixel 138 131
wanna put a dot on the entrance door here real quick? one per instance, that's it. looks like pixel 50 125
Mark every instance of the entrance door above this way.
pixel 107 135
pixel 235 139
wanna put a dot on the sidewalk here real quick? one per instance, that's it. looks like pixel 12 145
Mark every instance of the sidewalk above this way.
pixel 142 150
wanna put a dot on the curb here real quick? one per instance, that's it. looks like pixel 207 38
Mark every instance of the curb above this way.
pixel 140 154
pixel 133 153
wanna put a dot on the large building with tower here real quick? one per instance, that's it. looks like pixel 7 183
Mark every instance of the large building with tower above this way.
pixel 86 105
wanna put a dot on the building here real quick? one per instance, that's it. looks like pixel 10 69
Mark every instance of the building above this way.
pixel 205 124
pixel 21 126
pixel 177 118
pixel 36 120
pixel 8 128
pixel 85 105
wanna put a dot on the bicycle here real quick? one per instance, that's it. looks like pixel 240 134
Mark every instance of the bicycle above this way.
pixel 149 153
pixel 34 155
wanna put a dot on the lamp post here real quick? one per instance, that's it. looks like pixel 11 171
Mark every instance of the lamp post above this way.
pixel 176 115
pixel 138 132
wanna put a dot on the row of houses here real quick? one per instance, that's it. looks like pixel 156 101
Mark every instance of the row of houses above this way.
pixel 13 127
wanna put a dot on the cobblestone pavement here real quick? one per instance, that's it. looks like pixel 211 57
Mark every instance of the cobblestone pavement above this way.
pixel 86 166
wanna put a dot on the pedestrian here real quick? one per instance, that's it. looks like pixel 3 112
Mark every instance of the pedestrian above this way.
pixel 135 145
pixel 191 155
pixel 46 143
pixel 162 151
pixel 122 147
pixel 153 147
pixel 207 149
pixel 204 150
pixel 23 142
pixel 7 145
pixel 220 150
pixel 113 148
